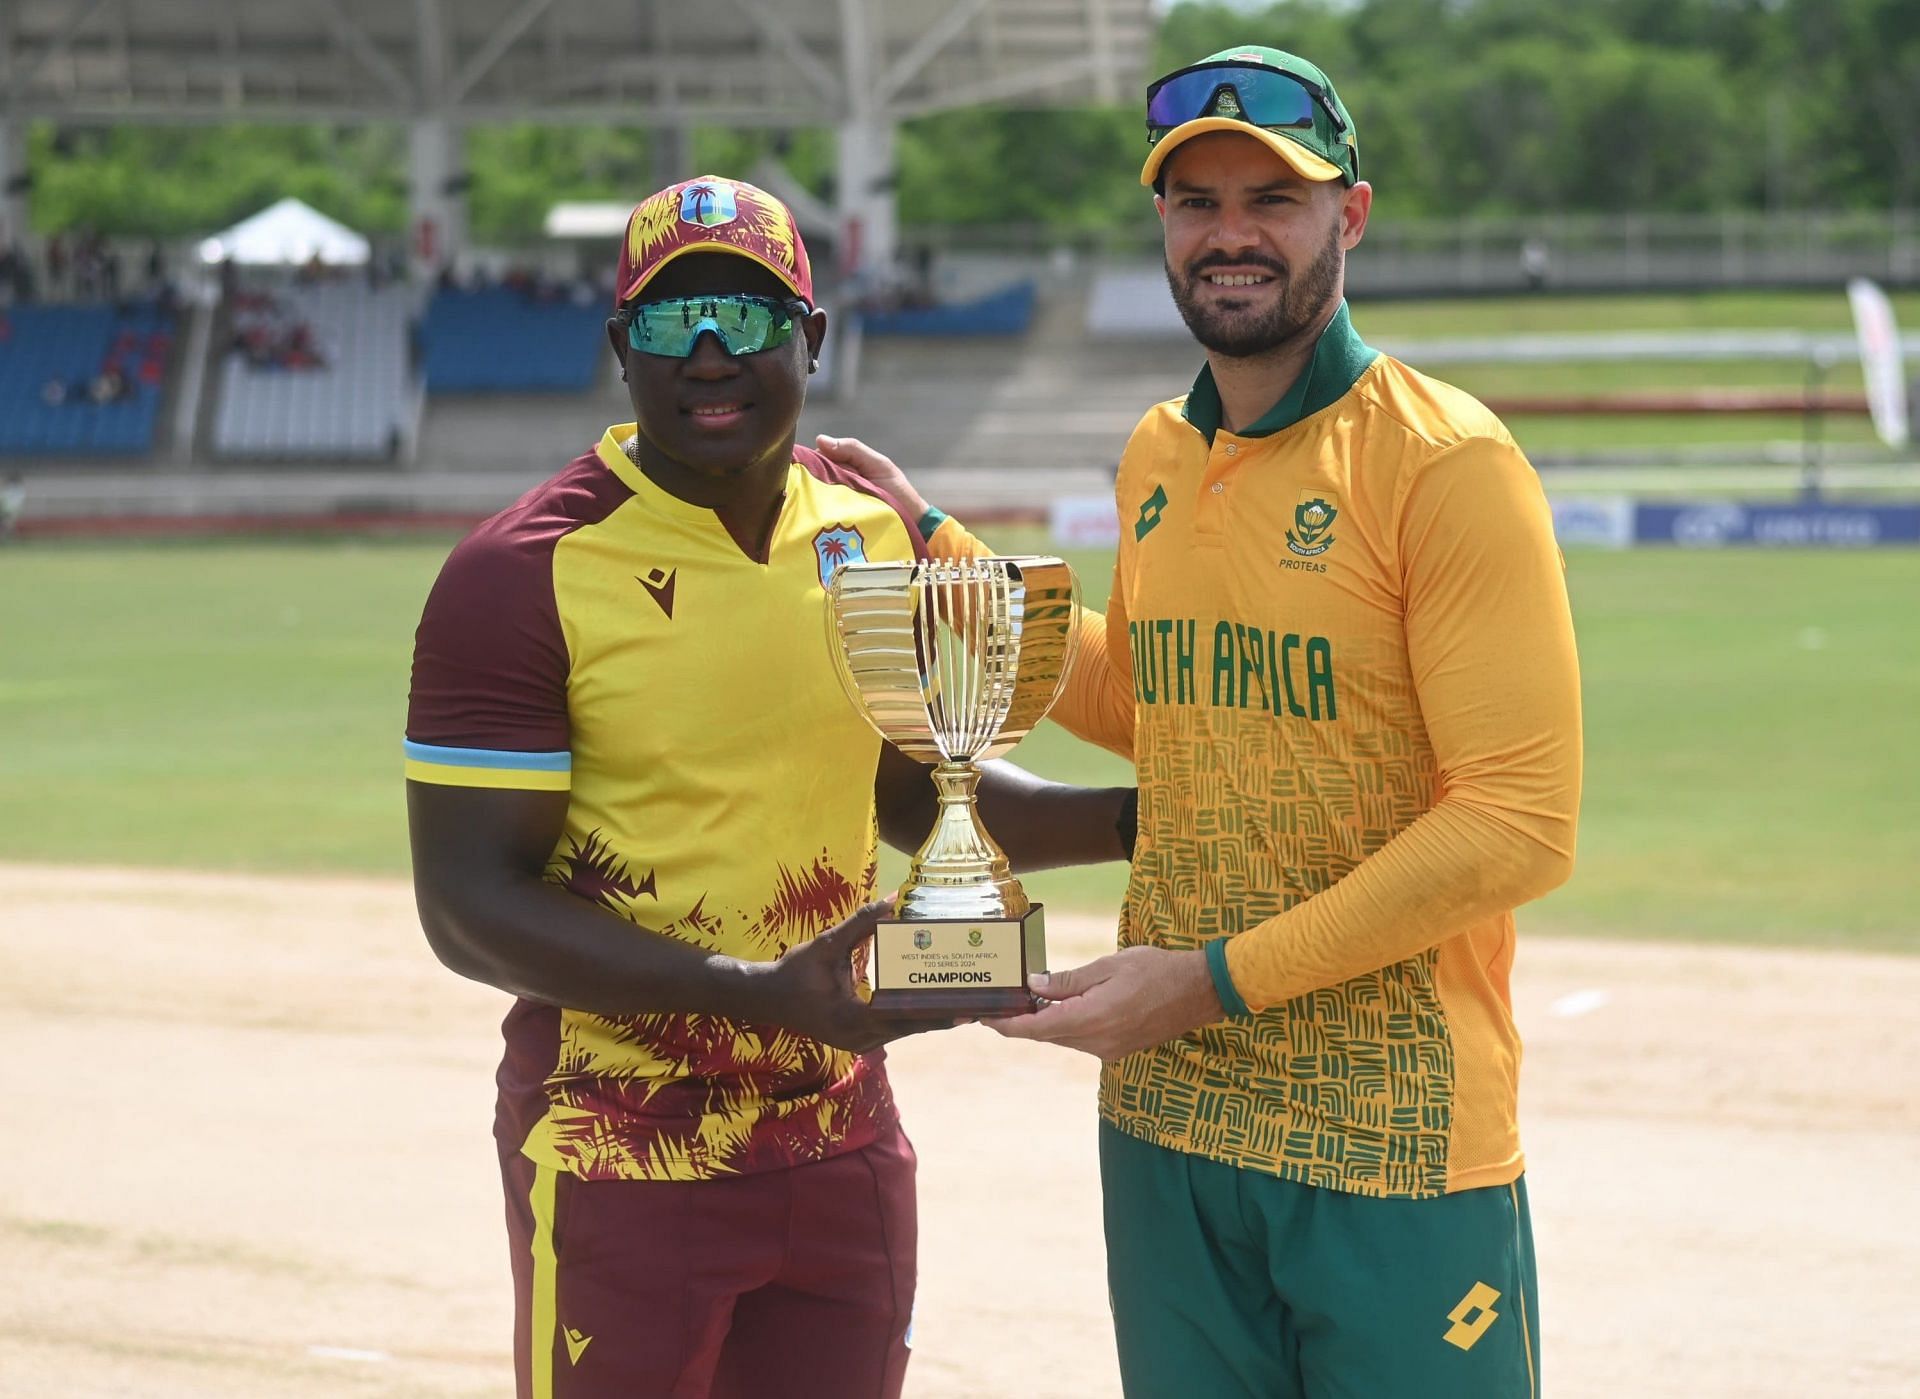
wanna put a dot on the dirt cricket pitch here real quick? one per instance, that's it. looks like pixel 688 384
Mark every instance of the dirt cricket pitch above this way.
pixel 246 1130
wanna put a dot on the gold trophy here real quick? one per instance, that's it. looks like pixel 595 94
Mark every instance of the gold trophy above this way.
pixel 953 662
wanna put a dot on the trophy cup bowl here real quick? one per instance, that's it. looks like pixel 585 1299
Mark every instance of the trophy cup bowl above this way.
pixel 953 662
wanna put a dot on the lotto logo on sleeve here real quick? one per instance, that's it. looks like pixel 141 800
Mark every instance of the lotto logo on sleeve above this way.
pixel 1151 510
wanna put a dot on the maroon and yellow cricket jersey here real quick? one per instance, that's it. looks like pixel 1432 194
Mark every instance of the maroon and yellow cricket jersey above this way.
pixel 604 638
pixel 1339 652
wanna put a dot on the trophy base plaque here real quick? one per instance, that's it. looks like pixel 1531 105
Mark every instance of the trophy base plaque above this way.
pixel 946 966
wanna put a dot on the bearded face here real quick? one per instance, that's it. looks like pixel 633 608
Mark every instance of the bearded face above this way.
pixel 1246 320
pixel 1255 251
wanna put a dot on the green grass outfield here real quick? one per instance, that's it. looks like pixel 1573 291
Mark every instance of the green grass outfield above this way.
pixel 1753 773
pixel 1540 434
pixel 1550 313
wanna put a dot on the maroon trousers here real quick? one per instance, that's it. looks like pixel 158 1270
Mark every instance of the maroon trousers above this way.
pixel 793 1284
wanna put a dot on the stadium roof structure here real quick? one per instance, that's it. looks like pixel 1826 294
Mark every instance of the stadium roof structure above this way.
pixel 857 66
pixel 722 62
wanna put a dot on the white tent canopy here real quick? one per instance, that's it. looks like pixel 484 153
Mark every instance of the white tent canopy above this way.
pixel 287 234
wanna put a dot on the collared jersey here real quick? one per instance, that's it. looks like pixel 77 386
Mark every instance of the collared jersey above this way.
pixel 1341 657
pixel 605 638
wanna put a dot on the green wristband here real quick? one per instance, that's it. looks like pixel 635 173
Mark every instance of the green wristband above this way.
pixel 1230 999
pixel 931 521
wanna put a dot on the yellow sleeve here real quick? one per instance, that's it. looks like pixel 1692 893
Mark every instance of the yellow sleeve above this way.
pixel 1096 704
pixel 1490 642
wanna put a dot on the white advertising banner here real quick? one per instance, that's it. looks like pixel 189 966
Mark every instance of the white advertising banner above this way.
pixel 1593 521
pixel 1084 522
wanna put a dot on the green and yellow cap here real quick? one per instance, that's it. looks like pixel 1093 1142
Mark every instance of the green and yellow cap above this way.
pixel 1279 99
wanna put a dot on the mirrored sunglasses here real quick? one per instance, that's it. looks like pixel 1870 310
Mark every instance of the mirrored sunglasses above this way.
pixel 1263 96
pixel 744 325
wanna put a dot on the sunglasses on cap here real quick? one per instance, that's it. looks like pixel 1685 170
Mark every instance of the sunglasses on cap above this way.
pixel 1265 97
pixel 744 325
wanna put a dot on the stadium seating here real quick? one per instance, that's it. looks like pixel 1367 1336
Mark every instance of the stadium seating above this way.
pixel 357 403
pixel 500 339
pixel 1008 311
pixel 70 346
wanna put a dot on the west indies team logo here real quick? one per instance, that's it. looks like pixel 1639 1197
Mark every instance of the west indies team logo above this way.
pixel 922 939
pixel 841 544
pixel 1313 521
pixel 708 203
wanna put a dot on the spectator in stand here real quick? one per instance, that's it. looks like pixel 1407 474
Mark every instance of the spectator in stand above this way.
pixel 1534 263
pixel 153 358
pixel 56 393
pixel 23 279
pixel 109 386
pixel 300 352
pixel 86 266
pixel 267 339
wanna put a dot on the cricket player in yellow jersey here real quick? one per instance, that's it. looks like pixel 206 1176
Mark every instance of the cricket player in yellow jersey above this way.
pixel 640 801
pixel 1339 652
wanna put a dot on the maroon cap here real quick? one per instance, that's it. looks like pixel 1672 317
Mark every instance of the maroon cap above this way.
pixel 712 215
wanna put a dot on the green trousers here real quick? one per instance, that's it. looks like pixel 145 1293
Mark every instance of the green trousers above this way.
pixel 1232 1284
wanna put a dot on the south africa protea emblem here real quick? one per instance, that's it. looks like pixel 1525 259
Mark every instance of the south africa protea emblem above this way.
pixel 1313 521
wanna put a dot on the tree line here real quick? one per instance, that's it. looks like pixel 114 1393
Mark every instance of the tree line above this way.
pixel 1463 107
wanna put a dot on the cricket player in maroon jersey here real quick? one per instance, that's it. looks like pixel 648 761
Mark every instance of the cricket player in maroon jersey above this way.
pixel 641 803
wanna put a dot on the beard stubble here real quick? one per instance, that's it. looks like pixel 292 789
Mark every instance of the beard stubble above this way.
pixel 1295 312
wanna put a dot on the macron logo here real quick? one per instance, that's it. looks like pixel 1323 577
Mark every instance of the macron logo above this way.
pixel 659 585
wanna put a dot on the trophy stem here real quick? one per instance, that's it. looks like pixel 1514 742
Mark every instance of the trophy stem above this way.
pixel 959 873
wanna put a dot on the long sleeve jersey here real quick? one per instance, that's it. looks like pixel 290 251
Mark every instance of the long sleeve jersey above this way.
pixel 1339 651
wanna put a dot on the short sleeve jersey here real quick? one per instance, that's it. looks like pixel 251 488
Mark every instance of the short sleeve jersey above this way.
pixel 604 638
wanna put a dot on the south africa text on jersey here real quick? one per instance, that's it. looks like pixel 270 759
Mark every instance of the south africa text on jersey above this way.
pixel 1283 673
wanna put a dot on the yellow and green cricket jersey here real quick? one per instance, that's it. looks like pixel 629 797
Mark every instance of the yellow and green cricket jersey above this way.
pixel 1339 652
pixel 604 638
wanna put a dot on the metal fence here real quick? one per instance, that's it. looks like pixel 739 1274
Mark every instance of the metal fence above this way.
pixel 1666 251
pixel 1556 252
